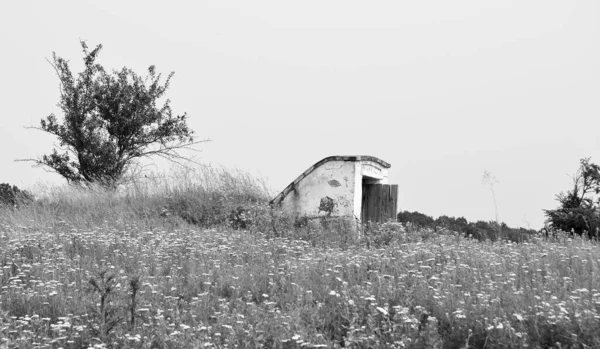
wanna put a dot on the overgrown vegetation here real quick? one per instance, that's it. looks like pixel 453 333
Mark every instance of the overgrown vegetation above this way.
pixel 12 196
pixel 479 230
pixel 578 212
pixel 204 196
pixel 130 269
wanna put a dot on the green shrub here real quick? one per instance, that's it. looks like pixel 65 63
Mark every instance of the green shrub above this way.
pixel 578 212
pixel 479 230
pixel 12 196
pixel 416 218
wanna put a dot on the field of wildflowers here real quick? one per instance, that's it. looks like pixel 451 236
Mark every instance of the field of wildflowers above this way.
pixel 73 278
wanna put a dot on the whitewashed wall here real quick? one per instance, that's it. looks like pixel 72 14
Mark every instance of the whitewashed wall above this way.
pixel 333 189
pixel 334 180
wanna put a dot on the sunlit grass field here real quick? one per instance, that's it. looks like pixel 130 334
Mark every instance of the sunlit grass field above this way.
pixel 130 270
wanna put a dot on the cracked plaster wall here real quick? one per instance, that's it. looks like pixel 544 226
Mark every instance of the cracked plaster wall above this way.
pixel 326 191
pixel 334 189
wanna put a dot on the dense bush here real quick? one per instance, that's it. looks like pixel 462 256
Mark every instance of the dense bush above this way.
pixel 415 218
pixel 213 197
pixel 479 230
pixel 577 212
pixel 455 224
pixel 12 196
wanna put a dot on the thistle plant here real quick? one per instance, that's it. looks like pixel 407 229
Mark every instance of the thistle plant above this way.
pixel 107 315
pixel 490 181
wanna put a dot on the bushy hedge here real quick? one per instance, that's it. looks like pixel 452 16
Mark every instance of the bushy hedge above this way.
pixel 480 230
pixel 579 208
pixel 11 196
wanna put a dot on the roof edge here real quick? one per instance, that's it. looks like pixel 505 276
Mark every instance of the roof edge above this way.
pixel 354 158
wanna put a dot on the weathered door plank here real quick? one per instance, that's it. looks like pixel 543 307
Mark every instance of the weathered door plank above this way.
pixel 380 202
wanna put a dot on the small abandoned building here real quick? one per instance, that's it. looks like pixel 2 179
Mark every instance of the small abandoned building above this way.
pixel 343 186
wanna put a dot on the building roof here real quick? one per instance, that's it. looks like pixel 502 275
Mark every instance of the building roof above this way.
pixel 354 158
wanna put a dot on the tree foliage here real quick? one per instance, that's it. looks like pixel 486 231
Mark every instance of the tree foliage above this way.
pixel 12 196
pixel 479 230
pixel 110 121
pixel 415 218
pixel 578 212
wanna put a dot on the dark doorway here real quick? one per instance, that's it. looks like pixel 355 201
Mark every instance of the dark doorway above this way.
pixel 379 201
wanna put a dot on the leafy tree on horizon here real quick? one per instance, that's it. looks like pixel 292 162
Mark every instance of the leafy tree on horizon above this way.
pixel 111 120
pixel 577 211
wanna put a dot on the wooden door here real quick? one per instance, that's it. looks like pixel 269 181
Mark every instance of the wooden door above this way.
pixel 379 202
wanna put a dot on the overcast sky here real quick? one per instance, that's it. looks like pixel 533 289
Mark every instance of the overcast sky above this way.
pixel 442 90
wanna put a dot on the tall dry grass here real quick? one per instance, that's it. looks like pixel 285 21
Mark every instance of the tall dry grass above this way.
pixel 204 196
